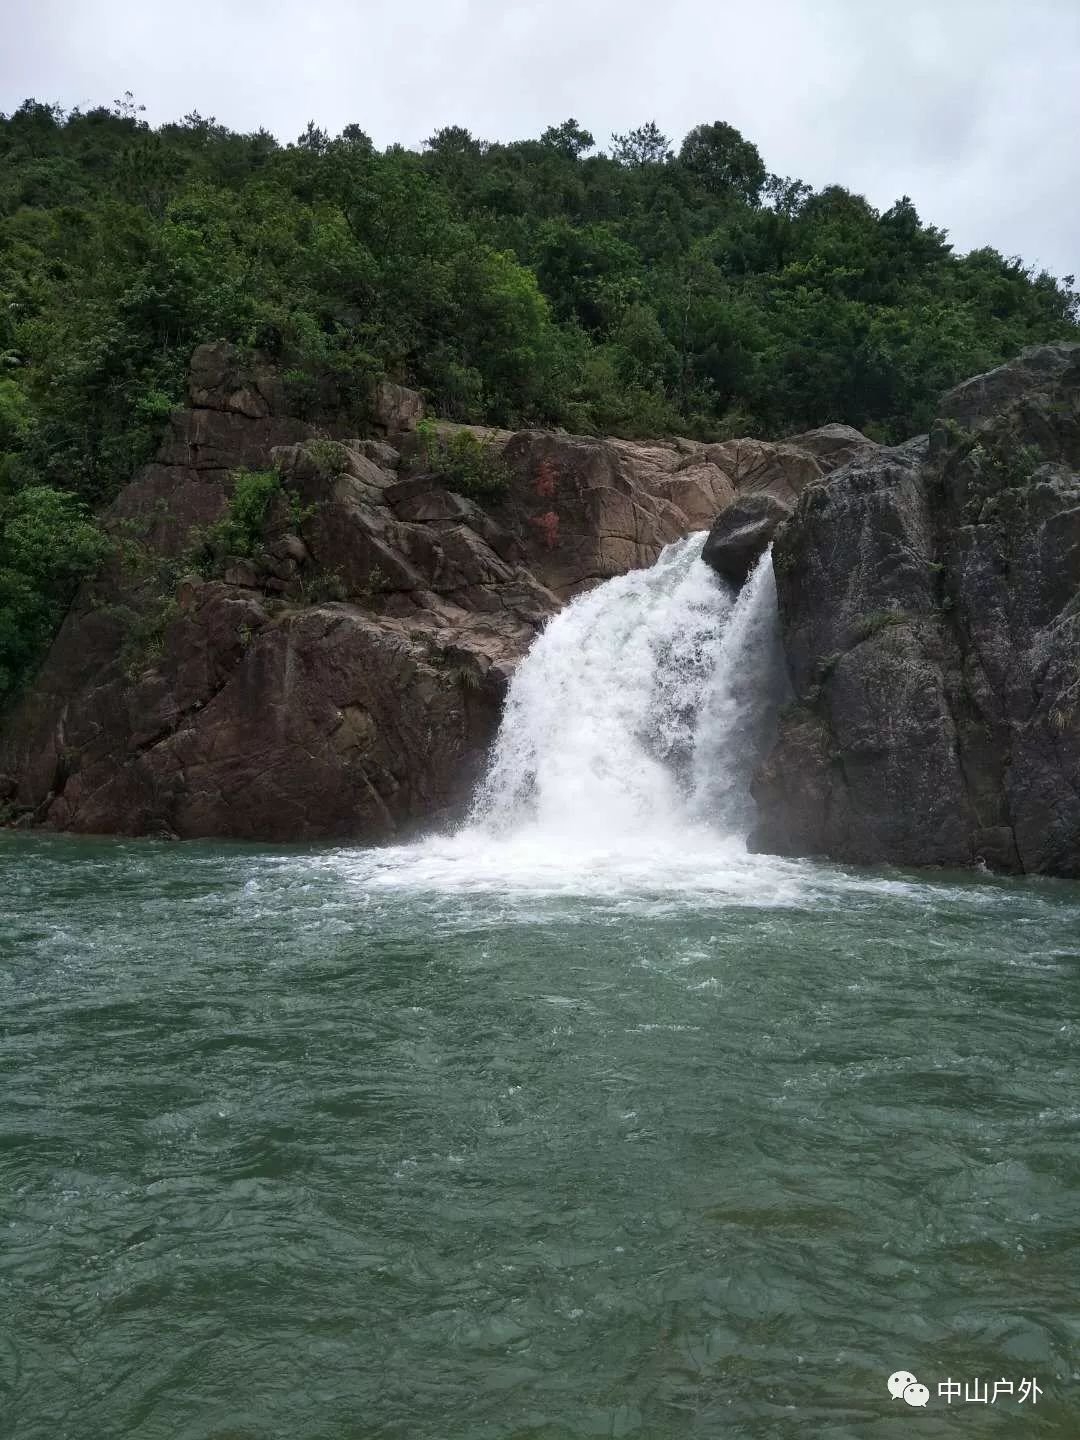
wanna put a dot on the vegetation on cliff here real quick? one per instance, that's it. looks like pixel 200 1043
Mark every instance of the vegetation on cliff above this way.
pixel 638 291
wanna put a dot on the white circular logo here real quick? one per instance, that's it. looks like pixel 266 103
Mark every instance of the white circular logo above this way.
pixel 899 1382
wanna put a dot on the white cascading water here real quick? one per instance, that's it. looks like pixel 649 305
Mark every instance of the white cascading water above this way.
pixel 640 712
pixel 622 768
pixel 623 763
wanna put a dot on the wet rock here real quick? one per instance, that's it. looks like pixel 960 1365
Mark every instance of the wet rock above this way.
pixel 424 498
pixel 741 535
pixel 587 509
pixel 782 470
pixel 290 547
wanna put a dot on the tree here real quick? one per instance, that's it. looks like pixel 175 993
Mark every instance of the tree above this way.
pixel 47 545
pixel 126 109
pixel 587 272
pixel 723 163
pixel 453 155
pixel 787 196
pixel 453 140
pixel 643 146
pixel 568 139
pixel 354 135
pixel 314 139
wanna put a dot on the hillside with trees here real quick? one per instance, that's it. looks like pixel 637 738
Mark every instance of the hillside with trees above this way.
pixel 646 290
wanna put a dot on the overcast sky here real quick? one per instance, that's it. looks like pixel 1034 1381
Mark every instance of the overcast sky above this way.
pixel 972 107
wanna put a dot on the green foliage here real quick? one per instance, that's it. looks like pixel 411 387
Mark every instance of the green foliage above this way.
pixel 47 545
pixel 322 585
pixel 569 139
pixel 1005 462
pixel 144 642
pixel 241 529
pixel 723 162
pixel 506 281
pixel 467 464
pixel 375 585
pixel 329 455
pixel 532 283
pixel 954 434
pixel 643 146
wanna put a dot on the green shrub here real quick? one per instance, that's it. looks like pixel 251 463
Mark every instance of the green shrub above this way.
pixel 321 586
pixel 329 455
pixel 467 464
pixel 241 529
pixel 1007 462
pixel 144 643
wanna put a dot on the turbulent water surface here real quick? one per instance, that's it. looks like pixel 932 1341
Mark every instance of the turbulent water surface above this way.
pixel 580 1122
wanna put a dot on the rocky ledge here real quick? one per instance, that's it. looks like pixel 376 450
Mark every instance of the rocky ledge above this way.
pixel 345 679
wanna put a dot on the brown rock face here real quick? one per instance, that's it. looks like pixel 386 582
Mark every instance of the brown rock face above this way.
pixel 344 681
pixel 284 726
pixel 346 678
pixel 219 380
pixel 588 509
pixel 831 445
pixel 395 410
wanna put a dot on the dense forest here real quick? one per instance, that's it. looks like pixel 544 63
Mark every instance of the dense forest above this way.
pixel 641 290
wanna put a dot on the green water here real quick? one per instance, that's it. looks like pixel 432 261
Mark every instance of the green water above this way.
pixel 317 1145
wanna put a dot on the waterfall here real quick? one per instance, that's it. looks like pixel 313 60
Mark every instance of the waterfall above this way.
pixel 640 711
pixel 738 717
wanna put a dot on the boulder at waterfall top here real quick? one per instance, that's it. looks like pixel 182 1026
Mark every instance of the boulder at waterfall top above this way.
pixel 930 606
pixel 342 673
pixel 740 536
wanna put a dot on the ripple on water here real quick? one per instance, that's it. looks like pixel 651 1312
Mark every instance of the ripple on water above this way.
pixel 431 1141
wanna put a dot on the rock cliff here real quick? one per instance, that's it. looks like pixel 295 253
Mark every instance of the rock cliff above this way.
pixel 930 607
pixel 345 679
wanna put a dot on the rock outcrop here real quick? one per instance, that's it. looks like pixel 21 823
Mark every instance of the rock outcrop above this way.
pixel 589 509
pixel 930 606
pixel 345 678
pixel 770 480
pixel 395 410
pixel 740 536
